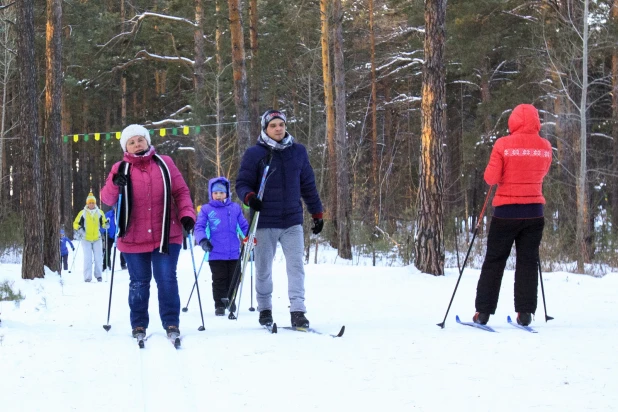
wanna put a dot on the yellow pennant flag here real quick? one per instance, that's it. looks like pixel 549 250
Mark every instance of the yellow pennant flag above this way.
pixel 185 130
pixel 97 136
pixel 117 135
pixel 162 132
pixel 75 137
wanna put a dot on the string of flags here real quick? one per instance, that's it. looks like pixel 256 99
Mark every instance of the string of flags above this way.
pixel 173 131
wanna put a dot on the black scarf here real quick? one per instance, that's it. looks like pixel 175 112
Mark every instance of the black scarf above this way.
pixel 127 201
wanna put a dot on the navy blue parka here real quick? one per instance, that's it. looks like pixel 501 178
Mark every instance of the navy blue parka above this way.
pixel 290 178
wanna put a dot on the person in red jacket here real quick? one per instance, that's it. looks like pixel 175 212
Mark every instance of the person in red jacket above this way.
pixel 518 164
pixel 155 207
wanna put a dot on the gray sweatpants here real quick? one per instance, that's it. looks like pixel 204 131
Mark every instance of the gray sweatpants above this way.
pixel 90 249
pixel 293 244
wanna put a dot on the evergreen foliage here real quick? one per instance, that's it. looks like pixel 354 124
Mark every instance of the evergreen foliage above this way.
pixel 499 54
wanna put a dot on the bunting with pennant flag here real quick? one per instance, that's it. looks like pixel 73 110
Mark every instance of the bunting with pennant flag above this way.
pixel 106 136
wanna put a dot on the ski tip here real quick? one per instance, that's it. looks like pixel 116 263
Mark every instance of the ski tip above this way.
pixel 508 319
pixel 341 332
pixel 107 327
pixel 140 344
pixel 177 343
pixel 457 318
pixel 274 328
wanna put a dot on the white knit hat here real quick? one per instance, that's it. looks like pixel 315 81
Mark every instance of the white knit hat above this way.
pixel 133 130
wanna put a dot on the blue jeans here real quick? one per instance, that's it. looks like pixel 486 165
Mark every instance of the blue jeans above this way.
pixel 141 268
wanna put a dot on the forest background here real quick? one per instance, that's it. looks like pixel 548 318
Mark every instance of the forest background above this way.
pixel 398 103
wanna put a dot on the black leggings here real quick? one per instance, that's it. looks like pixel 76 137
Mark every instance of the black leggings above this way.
pixel 222 274
pixel 527 234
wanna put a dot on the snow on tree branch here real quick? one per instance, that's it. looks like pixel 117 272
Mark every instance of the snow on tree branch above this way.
pixel 168 59
pixel 166 122
pixel 187 108
pixel 138 18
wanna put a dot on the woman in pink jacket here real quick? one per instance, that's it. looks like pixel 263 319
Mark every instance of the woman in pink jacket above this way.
pixel 155 206
pixel 518 164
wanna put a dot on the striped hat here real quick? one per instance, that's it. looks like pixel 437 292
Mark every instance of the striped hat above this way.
pixel 91 199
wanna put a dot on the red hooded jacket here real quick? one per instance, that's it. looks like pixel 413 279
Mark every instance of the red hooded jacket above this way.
pixel 519 161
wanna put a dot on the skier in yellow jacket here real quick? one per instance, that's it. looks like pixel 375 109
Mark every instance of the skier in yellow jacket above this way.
pixel 88 225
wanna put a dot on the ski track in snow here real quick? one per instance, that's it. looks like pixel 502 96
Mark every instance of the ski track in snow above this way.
pixel 55 355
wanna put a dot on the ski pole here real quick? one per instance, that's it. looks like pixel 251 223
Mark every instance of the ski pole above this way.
pixel 247 246
pixel 75 255
pixel 547 317
pixel 252 309
pixel 107 326
pixel 199 299
pixel 476 229
pixel 106 256
pixel 186 308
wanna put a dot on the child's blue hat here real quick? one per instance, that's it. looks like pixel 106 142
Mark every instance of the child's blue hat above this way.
pixel 219 187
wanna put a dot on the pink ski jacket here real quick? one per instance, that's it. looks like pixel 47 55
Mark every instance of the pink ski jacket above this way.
pixel 145 225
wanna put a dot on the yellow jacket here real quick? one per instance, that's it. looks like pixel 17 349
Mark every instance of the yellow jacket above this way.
pixel 92 221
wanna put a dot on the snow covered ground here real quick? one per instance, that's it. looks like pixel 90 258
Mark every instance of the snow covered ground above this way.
pixel 56 356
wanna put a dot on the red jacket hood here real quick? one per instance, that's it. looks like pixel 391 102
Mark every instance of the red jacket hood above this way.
pixel 524 119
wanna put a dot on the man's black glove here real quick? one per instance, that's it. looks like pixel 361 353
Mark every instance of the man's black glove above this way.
pixel 206 245
pixel 255 203
pixel 318 225
pixel 119 179
pixel 187 223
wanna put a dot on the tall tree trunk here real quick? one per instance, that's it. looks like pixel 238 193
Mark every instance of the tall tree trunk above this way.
pixel 123 78
pixel 254 87
pixel 7 68
pixel 198 39
pixel 32 258
pixel 430 225
pixel 240 75
pixel 374 120
pixel 614 189
pixel 53 133
pixel 200 168
pixel 67 176
pixel 582 229
pixel 218 98
pixel 344 221
pixel 330 117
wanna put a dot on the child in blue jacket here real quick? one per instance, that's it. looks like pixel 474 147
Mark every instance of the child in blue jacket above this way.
pixel 64 250
pixel 220 226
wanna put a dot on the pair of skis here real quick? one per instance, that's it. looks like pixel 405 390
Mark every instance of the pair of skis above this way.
pixel 174 338
pixel 490 329
pixel 274 329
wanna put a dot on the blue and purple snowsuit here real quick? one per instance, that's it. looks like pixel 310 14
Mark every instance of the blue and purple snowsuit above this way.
pixel 223 224
pixel 64 251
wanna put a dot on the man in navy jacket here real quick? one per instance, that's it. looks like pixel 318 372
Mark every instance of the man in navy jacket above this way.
pixel 290 178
